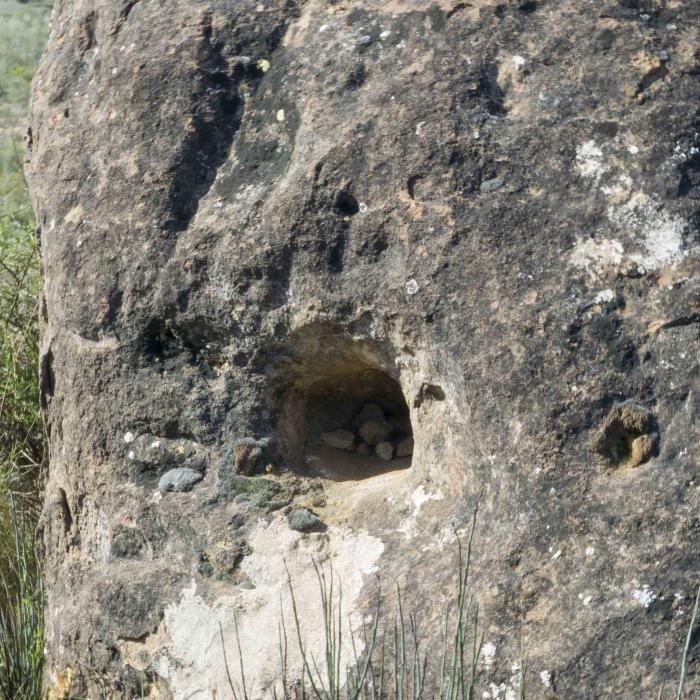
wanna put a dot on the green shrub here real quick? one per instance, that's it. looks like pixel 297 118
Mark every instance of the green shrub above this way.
pixel 21 433
pixel 23 32
pixel 22 619
pixel 21 456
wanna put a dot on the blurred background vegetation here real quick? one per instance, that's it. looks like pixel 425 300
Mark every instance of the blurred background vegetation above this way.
pixel 23 34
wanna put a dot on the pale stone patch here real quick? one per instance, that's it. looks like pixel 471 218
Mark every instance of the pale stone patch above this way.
pixel 644 596
pixel 409 525
pixel 605 296
pixel 412 287
pixel 589 159
pixel 594 254
pixel 74 216
pixel 659 232
pixel 488 654
pixel 192 656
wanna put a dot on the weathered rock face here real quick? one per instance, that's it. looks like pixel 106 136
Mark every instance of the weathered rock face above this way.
pixel 257 217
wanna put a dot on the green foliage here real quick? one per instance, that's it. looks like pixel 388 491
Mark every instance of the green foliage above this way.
pixel 21 434
pixel 21 456
pixel 258 491
pixel 23 34
pixel 22 619
pixel 23 31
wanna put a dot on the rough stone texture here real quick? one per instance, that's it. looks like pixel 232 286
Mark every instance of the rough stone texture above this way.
pixel 240 201
pixel 370 411
pixel 364 450
pixel 404 448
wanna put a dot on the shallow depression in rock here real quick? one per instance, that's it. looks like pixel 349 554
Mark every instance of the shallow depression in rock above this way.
pixel 352 424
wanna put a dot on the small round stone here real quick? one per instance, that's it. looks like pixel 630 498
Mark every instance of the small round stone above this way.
pixel 302 519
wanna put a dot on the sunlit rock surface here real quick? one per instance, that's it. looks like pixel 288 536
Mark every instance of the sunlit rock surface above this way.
pixel 258 216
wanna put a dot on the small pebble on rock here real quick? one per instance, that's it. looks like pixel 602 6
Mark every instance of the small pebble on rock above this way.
pixel 491 185
pixel 181 479
pixel 340 439
pixel 364 449
pixel 412 287
pixel 385 450
pixel 370 411
pixel 302 519
pixel 373 432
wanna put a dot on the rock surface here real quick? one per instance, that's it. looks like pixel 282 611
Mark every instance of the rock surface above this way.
pixel 241 201
pixel 370 411
pixel 404 448
pixel 364 450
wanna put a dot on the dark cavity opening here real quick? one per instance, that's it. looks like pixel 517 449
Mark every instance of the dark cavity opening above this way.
pixel 348 422
pixel 346 204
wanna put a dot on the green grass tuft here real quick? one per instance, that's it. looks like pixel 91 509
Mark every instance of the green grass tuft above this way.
pixel 23 33
pixel 22 619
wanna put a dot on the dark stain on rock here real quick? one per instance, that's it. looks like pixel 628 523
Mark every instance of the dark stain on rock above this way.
pixel 657 73
pixel 428 392
pixel 436 17
pixel 690 174
pixel 47 379
pixel 127 542
pixel 527 7
pixel 336 251
pixel 411 184
pixel 490 91
pixel 605 40
pixel 215 119
pixel 356 77
pixel 86 33
pixel 607 130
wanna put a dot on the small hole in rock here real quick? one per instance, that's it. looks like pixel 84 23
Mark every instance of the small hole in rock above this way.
pixel 627 437
pixel 346 204
pixel 348 423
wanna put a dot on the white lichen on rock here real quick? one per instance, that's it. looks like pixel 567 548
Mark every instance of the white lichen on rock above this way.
pixel 589 160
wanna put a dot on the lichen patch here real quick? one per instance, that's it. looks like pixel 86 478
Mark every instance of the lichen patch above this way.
pixel 655 230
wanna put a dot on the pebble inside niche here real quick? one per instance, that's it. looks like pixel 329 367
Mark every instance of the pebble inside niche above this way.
pixel 345 418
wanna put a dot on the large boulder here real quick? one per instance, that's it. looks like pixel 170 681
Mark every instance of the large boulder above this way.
pixel 244 204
